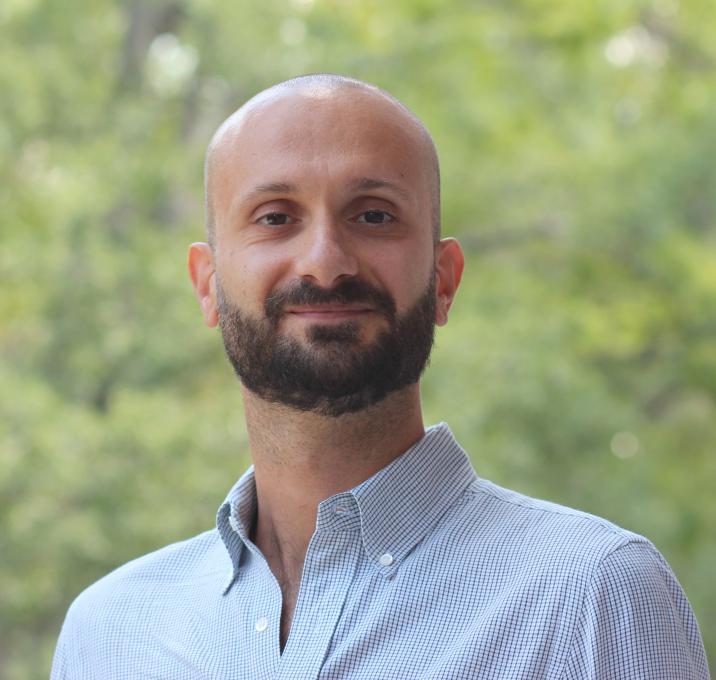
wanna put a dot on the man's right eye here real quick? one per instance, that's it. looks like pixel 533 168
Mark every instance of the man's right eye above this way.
pixel 275 219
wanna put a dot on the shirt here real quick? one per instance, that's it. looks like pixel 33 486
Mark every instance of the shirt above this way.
pixel 422 571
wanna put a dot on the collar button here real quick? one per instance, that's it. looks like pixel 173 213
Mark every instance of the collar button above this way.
pixel 386 559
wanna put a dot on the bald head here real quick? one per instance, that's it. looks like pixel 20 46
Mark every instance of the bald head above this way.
pixel 313 95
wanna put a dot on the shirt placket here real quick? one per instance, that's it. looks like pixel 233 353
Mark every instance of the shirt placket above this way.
pixel 328 571
pixel 259 598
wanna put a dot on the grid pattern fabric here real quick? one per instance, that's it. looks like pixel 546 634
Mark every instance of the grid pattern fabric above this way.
pixel 423 571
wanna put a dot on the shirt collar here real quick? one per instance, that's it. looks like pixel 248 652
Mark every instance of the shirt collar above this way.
pixel 395 508
pixel 235 519
pixel 401 503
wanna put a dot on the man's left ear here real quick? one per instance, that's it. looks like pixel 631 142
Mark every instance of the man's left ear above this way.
pixel 449 263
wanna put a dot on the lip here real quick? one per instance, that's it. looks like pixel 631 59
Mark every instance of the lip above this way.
pixel 329 312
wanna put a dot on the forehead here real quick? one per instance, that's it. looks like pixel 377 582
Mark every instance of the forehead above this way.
pixel 326 136
pixel 347 119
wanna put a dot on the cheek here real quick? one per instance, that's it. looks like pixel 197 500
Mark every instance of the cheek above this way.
pixel 247 278
pixel 405 274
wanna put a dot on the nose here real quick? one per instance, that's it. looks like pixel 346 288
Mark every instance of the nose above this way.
pixel 326 254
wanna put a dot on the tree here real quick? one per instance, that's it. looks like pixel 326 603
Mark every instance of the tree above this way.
pixel 576 142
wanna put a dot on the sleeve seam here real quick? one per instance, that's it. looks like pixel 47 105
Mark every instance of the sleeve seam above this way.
pixel 598 564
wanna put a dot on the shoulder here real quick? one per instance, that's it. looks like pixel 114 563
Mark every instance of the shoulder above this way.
pixel 175 563
pixel 636 615
pixel 147 591
pixel 161 570
pixel 539 531
pixel 625 605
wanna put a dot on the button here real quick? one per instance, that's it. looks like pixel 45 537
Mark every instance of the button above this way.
pixel 386 559
pixel 234 523
pixel 261 624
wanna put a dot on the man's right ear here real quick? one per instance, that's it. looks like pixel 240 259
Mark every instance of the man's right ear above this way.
pixel 203 276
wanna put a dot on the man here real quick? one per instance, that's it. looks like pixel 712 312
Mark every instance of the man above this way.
pixel 358 545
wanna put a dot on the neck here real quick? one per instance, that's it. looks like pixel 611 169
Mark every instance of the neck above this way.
pixel 302 458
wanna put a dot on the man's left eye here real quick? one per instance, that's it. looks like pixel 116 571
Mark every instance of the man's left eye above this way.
pixel 375 217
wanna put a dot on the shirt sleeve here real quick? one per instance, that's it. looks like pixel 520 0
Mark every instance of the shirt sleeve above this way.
pixel 636 622
pixel 64 666
pixel 59 662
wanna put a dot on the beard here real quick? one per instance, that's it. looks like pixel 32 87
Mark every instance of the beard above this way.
pixel 329 372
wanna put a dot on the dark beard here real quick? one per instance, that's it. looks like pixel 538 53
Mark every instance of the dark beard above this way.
pixel 331 374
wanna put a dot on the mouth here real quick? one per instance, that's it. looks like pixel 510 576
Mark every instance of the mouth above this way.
pixel 331 312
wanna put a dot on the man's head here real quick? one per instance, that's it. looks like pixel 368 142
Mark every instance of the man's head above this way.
pixel 324 269
pixel 319 86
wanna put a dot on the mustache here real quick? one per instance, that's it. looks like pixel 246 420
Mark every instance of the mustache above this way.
pixel 347 291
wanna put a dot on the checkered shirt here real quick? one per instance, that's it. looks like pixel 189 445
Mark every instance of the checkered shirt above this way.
pixel 423 571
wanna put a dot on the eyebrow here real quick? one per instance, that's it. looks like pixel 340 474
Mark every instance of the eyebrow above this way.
pixel 362 184
pixel 270 188
pixel 368 183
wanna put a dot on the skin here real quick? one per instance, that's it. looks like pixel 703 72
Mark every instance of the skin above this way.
pixel 325 159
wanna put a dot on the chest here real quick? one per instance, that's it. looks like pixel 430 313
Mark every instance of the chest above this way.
pixel 350 617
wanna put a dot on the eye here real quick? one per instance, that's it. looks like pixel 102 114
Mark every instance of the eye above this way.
pixel 375 217
pixel 275 219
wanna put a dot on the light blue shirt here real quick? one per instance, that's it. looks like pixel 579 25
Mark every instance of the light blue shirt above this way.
pixel 422 571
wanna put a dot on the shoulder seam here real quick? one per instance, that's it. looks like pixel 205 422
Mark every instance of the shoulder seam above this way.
pixel 627 536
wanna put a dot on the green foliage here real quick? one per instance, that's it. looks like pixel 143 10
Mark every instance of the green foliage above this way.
pixel 579 365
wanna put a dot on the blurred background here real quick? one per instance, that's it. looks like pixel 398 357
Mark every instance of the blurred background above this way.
pixel 577 141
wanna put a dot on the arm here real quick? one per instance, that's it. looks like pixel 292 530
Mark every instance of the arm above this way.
pixel 636 623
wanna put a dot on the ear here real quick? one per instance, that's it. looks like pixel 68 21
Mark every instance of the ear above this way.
pixel 203 276
pixel 449 263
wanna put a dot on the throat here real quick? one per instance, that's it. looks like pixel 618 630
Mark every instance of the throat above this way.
pixel 285 555
pixel 289 595
pixel 288 576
